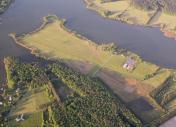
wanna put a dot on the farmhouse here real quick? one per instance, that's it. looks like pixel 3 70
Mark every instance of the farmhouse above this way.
pixel 129 64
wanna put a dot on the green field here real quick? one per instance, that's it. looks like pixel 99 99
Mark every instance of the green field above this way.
pixel 10 82
pixel 54 41
pixel 31 102
pixel 32 120
pixel 31 106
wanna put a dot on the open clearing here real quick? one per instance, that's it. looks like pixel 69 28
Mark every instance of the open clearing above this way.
pixel 31 102
pixel 30 106
pixel 32 120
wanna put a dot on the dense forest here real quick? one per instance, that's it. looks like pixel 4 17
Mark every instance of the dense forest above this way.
pixel 4 4
pixel 21 73
pixel 90 105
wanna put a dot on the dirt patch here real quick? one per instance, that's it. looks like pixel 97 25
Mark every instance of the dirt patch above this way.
pixel 129 89
pixel 2 74
pixel 61 89
pixel 81 66
pixel 141 105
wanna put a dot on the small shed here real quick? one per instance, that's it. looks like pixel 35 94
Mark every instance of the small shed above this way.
pixel 1 103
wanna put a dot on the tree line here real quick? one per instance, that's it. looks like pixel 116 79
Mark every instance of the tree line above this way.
pixel 92 105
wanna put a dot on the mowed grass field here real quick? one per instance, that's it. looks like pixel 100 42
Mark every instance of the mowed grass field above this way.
pixel 30 102
pixel 55 42
pixel 32 120
pixel 29 105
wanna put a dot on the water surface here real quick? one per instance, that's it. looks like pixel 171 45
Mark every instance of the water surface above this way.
pixel 26 15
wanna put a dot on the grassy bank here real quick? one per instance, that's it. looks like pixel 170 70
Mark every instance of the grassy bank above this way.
pixel 10 82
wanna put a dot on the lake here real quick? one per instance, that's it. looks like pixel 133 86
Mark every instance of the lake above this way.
pixel 24 16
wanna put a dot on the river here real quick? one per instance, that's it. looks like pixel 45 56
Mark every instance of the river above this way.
pixel 24 16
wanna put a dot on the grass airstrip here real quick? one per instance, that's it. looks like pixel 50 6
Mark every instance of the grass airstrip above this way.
pixel 29 105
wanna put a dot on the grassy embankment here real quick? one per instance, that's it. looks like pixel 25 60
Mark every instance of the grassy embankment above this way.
pixel 54 41
pixel 125 11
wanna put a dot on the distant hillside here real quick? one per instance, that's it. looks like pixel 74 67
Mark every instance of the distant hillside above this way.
pixel 169 6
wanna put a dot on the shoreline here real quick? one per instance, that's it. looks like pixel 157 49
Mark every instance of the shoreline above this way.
pixel 119 51
pixel 46 22
pixel 168 33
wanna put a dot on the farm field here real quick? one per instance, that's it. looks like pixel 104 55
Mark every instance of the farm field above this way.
pixel 32 120
pixel 31 102
pixel 30 105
